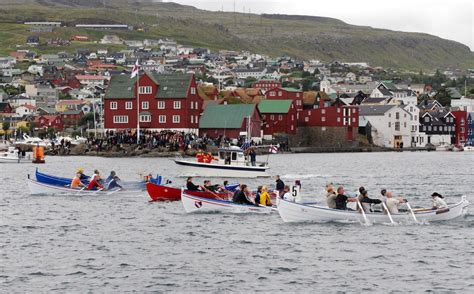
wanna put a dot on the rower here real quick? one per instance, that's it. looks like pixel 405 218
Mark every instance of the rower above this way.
pixel 200 156
pixel 209 186
pixel 76 182
pixel 365 201
pixel 81 172
pixel 190 186
pixel 265 197
pixel 393 203
pixel 95 182
pixel 341 199
pixel 287 195
pixel 240 196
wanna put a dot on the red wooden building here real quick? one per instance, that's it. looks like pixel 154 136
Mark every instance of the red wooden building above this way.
pixel 5 107
pixel 49 121
pixel 279 117
pixel 266 84
pixel 461 128
pixel 167 101
pixel 280 93
pixel 231 120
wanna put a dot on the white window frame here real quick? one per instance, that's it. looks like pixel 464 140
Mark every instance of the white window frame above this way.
pixel 145 90
pixel 113 105
pixel 162 119
pixel 145 118
pixel 145 105
pixel 120 119
pixel 177 104
pixel 193 91
pixel 129 105
pixel 176 119
pixel 161 105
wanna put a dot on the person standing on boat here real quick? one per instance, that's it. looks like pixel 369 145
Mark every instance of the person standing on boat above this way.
pixel 76 182
pixel 341 199
pixel 365 201
pixel 287 195
pixel 393 203
pixel 331 196
pixel 190 186
pixel 438 201
pixel 253 156
pixel 280 185
pixel 265 197
pixel 240 196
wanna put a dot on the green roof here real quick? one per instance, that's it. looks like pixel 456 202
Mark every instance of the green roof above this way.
pixel 292 89
pixel 229 116
pixel 274 106
pixel 169 86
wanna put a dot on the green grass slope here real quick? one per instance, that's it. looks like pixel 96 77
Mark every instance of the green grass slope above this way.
pixel 298 36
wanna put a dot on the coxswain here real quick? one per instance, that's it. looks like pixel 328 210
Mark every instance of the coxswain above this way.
pixel 438 201
pixel 95 182
pixel 279 185
pixel 76 182
pixel 287 195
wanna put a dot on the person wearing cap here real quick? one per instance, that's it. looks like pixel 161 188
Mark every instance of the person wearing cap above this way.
pixel 393 203
pixel 331 196
pixel 83 177
pixel 438 201
pixel 365 201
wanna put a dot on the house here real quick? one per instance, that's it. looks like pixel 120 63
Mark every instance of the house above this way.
pixel 91 80
pixel 74 104
pixel 167 101
pixel 231 121
pixel 3 95
pixel 5 108
pixel 462 127
pixel 26 109
pixel 281 93
pixel 266 84
pixel 49 121
pixel 72 117
pixel 33 41
pixel 439 126
pixel 243 73
pixel 279 117
pixel 470 129
pixel 111 39
pixel 385 125
pixel 463 103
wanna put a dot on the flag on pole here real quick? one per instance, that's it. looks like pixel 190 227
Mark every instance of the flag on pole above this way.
pixel 135 70
pixel 273 149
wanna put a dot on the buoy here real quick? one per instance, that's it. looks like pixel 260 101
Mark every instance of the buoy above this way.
pixel 38 154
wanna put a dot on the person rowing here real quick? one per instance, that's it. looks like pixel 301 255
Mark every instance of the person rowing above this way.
pixel 112 181
pixel 393 203
pixel 95 182
pixel 287 195
pixel 210 187
pixel 438 201
pixel 240 196
pixel 365 201
pixel 76 182
pixel 191 186
pixel 341 199
pixel 265 197
pixel 83 177
pixel 331 196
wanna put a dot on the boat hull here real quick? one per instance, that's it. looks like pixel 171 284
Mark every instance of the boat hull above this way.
pixel 296 212
pixel 37 188
pixel 193 204
pixel 166 193
pixel 198 169
pixel 26 159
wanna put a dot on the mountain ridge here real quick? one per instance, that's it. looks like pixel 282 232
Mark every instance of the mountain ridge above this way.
pixel 300 36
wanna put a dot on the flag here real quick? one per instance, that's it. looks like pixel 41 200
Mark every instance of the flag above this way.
pixel 273 149
pixel 135 70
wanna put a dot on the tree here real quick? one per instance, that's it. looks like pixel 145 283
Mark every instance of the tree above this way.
pixel 443 97
pixel 249 81
pixel 88 118
pixel 5 128
pixel 64 96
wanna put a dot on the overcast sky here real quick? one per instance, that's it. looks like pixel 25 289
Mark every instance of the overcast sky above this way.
pixel 449 19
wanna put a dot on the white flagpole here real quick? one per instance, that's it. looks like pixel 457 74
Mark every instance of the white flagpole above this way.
pixel 138 105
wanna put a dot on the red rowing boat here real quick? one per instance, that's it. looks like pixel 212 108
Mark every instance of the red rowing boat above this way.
pixel 165 193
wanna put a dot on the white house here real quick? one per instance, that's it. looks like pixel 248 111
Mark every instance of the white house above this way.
pixel 25 109
pixel 92 80
pixel 387 125
pixel 463 103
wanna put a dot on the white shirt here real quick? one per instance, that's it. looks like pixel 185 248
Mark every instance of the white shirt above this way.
pixel 392 204
pixel 289 197
pixel 439 202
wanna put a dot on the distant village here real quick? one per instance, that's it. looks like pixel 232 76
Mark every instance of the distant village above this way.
pixel 225 93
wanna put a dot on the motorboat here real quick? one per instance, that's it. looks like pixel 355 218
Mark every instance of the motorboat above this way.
pixel 230 163
pixel 14 155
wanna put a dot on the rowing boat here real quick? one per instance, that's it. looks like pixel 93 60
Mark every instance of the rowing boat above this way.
pixel 199 204
pixel 38 188
pixel 61 181
pixel 299 212
pixel 167 193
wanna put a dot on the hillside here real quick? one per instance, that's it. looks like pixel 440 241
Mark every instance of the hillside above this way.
pixel 305 37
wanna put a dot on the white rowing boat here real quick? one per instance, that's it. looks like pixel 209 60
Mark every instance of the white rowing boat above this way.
pixel 298 212
pixel 199 204
pixel 38 188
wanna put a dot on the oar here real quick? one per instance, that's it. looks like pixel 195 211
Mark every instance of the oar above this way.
pixel 411 211
pixel 114 191
pixel 388 212
pixel 78 192
pixel 98 190
pixel 363 212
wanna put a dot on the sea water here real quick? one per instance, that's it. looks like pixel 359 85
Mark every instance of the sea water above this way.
pixel 122 243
